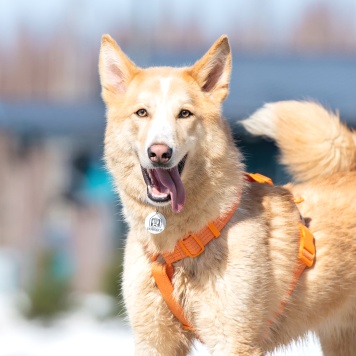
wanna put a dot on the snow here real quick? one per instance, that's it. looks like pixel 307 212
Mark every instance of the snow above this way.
pixel 82 333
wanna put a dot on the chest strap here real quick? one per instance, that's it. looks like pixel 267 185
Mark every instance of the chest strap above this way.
pixel 194 244
pixel 191 246
pixel 305 259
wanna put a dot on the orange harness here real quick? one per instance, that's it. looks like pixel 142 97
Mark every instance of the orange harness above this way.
pixel 193 245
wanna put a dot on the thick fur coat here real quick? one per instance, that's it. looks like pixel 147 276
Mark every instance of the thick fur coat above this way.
pixel 231 291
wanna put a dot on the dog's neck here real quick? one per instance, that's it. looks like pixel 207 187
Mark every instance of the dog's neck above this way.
pixel 212 188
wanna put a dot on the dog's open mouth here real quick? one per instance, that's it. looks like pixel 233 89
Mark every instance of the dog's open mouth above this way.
pixel 164 185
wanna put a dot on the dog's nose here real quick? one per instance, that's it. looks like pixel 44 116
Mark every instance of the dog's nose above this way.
pixel 159 153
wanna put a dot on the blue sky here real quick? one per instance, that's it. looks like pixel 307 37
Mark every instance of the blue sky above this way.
pixel 92 18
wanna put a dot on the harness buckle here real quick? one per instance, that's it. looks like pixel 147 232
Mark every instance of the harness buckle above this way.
pixel 306 247
pixel 185 248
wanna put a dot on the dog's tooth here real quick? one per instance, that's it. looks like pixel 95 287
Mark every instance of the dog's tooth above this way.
pixel 150 174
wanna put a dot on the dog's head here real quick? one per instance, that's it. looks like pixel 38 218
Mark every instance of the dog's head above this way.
pixel 157 120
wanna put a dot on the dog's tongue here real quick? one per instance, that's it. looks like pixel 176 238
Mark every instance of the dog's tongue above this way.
pixel 171 180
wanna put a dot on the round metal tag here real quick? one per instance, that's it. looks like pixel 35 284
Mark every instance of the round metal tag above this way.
pixel 155 223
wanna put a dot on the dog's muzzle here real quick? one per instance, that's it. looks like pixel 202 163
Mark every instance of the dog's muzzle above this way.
pixel 165 184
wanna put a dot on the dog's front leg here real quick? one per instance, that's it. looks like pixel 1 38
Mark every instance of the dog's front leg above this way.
pixel 226 332
pixel 241 350
pixel 233 344
pixel 156 331
pixel 158 339
pixel 229 316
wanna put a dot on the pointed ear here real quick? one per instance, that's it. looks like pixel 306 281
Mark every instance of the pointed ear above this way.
pixel 115 68
pixel 212 71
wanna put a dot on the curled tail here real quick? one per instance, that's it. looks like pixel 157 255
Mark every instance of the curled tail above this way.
pixel 313 141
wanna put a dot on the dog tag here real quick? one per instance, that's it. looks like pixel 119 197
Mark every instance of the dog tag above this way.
pixel 155 223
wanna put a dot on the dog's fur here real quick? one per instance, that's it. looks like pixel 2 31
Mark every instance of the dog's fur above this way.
pixel 232 289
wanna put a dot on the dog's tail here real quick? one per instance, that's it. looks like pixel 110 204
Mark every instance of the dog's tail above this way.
pixel 313 141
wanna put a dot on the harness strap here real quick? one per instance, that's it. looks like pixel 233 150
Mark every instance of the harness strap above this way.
pixel 193 245
pixel 164 284
pixel 305 259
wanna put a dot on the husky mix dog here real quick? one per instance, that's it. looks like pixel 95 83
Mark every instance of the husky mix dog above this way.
pixel 178 171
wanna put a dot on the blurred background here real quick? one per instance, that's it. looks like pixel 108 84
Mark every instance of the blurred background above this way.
pixel 61 231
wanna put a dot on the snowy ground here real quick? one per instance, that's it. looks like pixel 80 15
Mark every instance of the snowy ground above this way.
pixel 80 333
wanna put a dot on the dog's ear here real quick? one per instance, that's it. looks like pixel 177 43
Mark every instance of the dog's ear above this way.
pixel 115 68
pixel 212 71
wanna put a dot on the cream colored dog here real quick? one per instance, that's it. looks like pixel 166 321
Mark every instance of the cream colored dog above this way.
pixel 170 151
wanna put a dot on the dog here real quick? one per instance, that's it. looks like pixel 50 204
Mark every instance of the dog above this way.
pixel 172 154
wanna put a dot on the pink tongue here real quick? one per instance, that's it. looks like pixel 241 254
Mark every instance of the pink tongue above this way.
pixel 171 180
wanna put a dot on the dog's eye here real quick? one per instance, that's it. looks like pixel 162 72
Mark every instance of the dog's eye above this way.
pixel 141 113
pixel 184 114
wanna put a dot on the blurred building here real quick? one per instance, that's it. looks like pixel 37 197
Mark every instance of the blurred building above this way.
pixel 55 194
